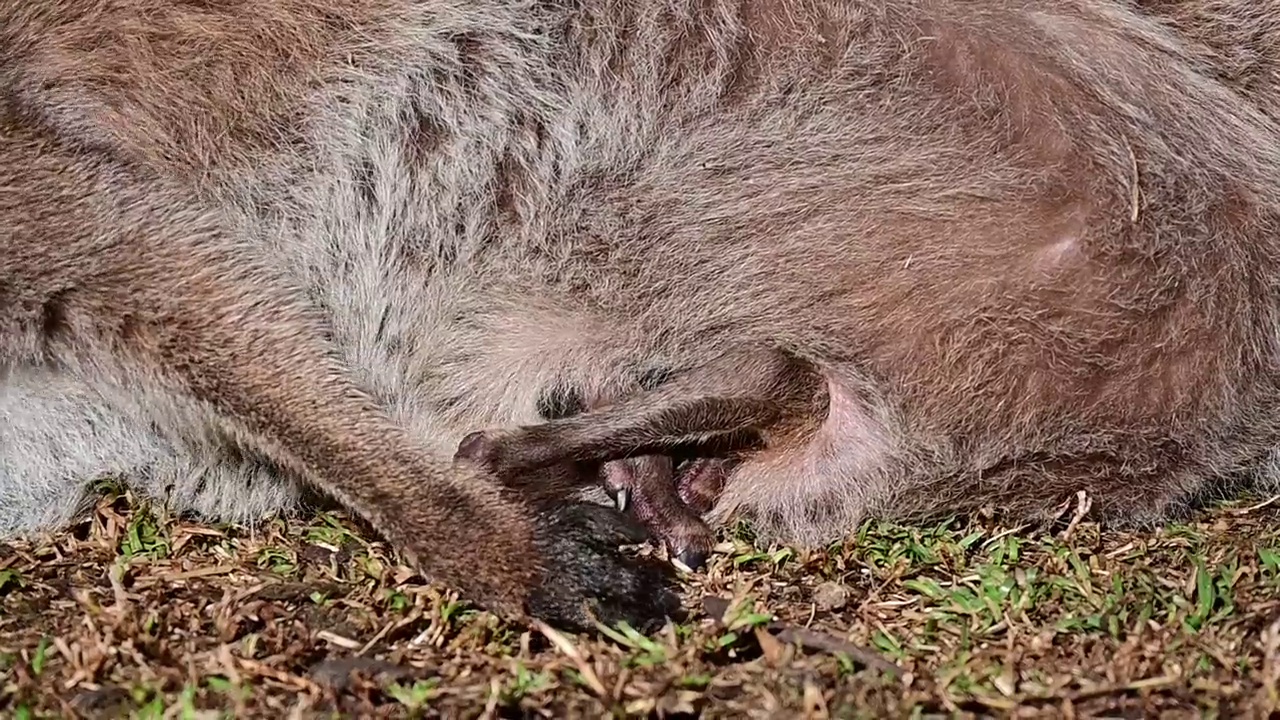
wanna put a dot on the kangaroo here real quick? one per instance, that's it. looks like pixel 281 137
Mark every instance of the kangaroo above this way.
pixel 1235 41
pixel 896 255
pixel 1022 398
pixel 194 278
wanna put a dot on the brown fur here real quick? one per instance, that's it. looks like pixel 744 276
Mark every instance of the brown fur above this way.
pixel 994 251
pixel 117 270
pixel 1235 41
pixel 1064 323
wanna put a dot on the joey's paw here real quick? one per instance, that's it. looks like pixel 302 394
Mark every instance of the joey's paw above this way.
pixel 646 486
pixel 587 575
pixel 700 482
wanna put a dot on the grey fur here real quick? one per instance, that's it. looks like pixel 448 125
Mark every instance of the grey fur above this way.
pixel 1031 246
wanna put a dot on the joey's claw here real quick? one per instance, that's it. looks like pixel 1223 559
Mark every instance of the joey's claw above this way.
pixel 692 559
pixel 623 499
pixel 688 542
pixel 587 576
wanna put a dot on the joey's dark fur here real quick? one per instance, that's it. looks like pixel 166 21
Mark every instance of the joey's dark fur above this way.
pixel 930 255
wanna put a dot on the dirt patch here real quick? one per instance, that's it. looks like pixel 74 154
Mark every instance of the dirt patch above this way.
pixel 136 615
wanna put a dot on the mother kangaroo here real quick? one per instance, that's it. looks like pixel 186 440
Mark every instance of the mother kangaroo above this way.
pixel 929 254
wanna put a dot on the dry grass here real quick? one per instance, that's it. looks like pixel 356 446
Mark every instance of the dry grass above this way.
pixel 137 615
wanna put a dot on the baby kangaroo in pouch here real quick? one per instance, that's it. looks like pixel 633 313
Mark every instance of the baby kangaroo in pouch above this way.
pixel 803 262
pixel 743 399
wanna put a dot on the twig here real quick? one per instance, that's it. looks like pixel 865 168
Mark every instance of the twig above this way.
pixel 256 668
pixel 1083 503
pixel 1255 508
pixel 1010 531
pixel 115 574
pixel 198 573
pixel 383 633
pixel 342 642
pixel 826 642
pixel 491 703
pixel 1144 684
pixel 568 648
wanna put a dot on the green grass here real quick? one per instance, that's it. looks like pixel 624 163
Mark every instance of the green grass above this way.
pixel 137 614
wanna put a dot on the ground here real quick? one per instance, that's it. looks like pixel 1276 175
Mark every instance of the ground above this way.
pixel 132 614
